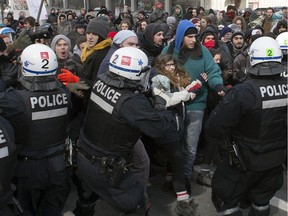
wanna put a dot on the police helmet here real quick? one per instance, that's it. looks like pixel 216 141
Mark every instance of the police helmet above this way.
pixel 282 40
pixel 38 60
pixel 265 57
pixel 128 62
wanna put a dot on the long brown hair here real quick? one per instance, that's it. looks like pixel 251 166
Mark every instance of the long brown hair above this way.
pixel 179 78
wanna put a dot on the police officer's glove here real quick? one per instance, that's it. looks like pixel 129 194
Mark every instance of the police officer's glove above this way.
pixel 77 88
pixel 239 75
pixel 67 76
pixel 159 103
pixel 160 99
pixel 22 41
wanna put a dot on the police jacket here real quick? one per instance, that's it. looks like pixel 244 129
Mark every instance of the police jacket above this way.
pixel 39 118
pixel 8 159
pixel 116 117
pixel 255 112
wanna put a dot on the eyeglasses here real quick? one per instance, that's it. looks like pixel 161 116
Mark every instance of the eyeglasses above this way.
pixel 170 65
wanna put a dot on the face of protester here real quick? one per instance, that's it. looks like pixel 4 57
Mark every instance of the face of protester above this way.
pixel 177 10
pixel 140 16
pixel 92 39
pixel 124 26
pixel 269 13
pixel 217 58
pixel 143 25
pixel 70 17
pixel 82 45
pixel 208 38
pixel 203 23
pixel 189 41
pixel 197 26
pixel 81 30
pixel 27 25
pixel 239 23
pixel 238 41
pixel 7 41
pixel 194 13
pixel 282 29
pixel 227 36
pixel 170 66
pixel 158 38
pixel 62 49
pixel 62 19
pixel 130 42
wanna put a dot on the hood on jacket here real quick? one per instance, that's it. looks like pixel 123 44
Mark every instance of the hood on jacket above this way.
pixel 180 32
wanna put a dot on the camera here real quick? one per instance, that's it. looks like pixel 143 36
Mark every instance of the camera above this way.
pixel 44 31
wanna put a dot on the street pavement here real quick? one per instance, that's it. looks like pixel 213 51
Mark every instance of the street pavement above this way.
pixel 162 200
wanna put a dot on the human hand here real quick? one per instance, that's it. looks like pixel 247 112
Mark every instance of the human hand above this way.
pixel 67 76
pixel 77 88
pixel 22 41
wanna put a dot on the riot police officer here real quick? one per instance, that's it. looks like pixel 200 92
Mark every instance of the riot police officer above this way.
pixel 9 206
pixel 118 113
pixel 282 40
pixel 38 111
pixel 253 115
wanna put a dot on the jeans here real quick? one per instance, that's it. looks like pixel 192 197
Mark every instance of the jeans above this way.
pixel 193 127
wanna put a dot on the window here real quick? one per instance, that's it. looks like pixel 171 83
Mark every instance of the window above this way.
pixel 57 3
pixel 75 4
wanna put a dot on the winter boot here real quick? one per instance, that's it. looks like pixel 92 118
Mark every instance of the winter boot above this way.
pixel 259 210
pixel 204 178
pixel 184 208
pixel 84 209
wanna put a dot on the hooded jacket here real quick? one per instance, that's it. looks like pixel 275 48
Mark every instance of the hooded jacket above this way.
pixel 196 66
pixel 146 41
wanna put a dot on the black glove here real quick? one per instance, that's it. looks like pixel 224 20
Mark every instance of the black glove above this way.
pixel 159 103
pixel 77 87
pixel 220 88
pixel 239 75
pixel 22 41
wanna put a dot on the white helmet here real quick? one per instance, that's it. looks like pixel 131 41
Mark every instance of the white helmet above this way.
pixel 128 62
pixel 282 40
pixel 264 49
pixel 38 60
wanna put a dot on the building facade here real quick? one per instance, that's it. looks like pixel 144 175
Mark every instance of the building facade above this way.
pixel 115 5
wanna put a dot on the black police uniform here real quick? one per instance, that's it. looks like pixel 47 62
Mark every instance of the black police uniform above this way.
pixel 40 120
pixel 254 114
pixel 8 160
pixel 115 119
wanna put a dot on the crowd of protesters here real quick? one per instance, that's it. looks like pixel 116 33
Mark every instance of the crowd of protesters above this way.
pixel 217 61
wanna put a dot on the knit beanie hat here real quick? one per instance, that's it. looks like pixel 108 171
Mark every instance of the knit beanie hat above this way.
pixel 195 20
pixel 58 38
pixel 237 33
pixel 2 45
pixel 224 31
pixel 171 20
pixel 123 35
pixel 191 30
pixel 99 26
pixel 187 16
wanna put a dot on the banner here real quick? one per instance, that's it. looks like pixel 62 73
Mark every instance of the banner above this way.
pixel 33 7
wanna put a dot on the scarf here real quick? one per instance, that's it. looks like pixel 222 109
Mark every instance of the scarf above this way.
pixel 87 52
